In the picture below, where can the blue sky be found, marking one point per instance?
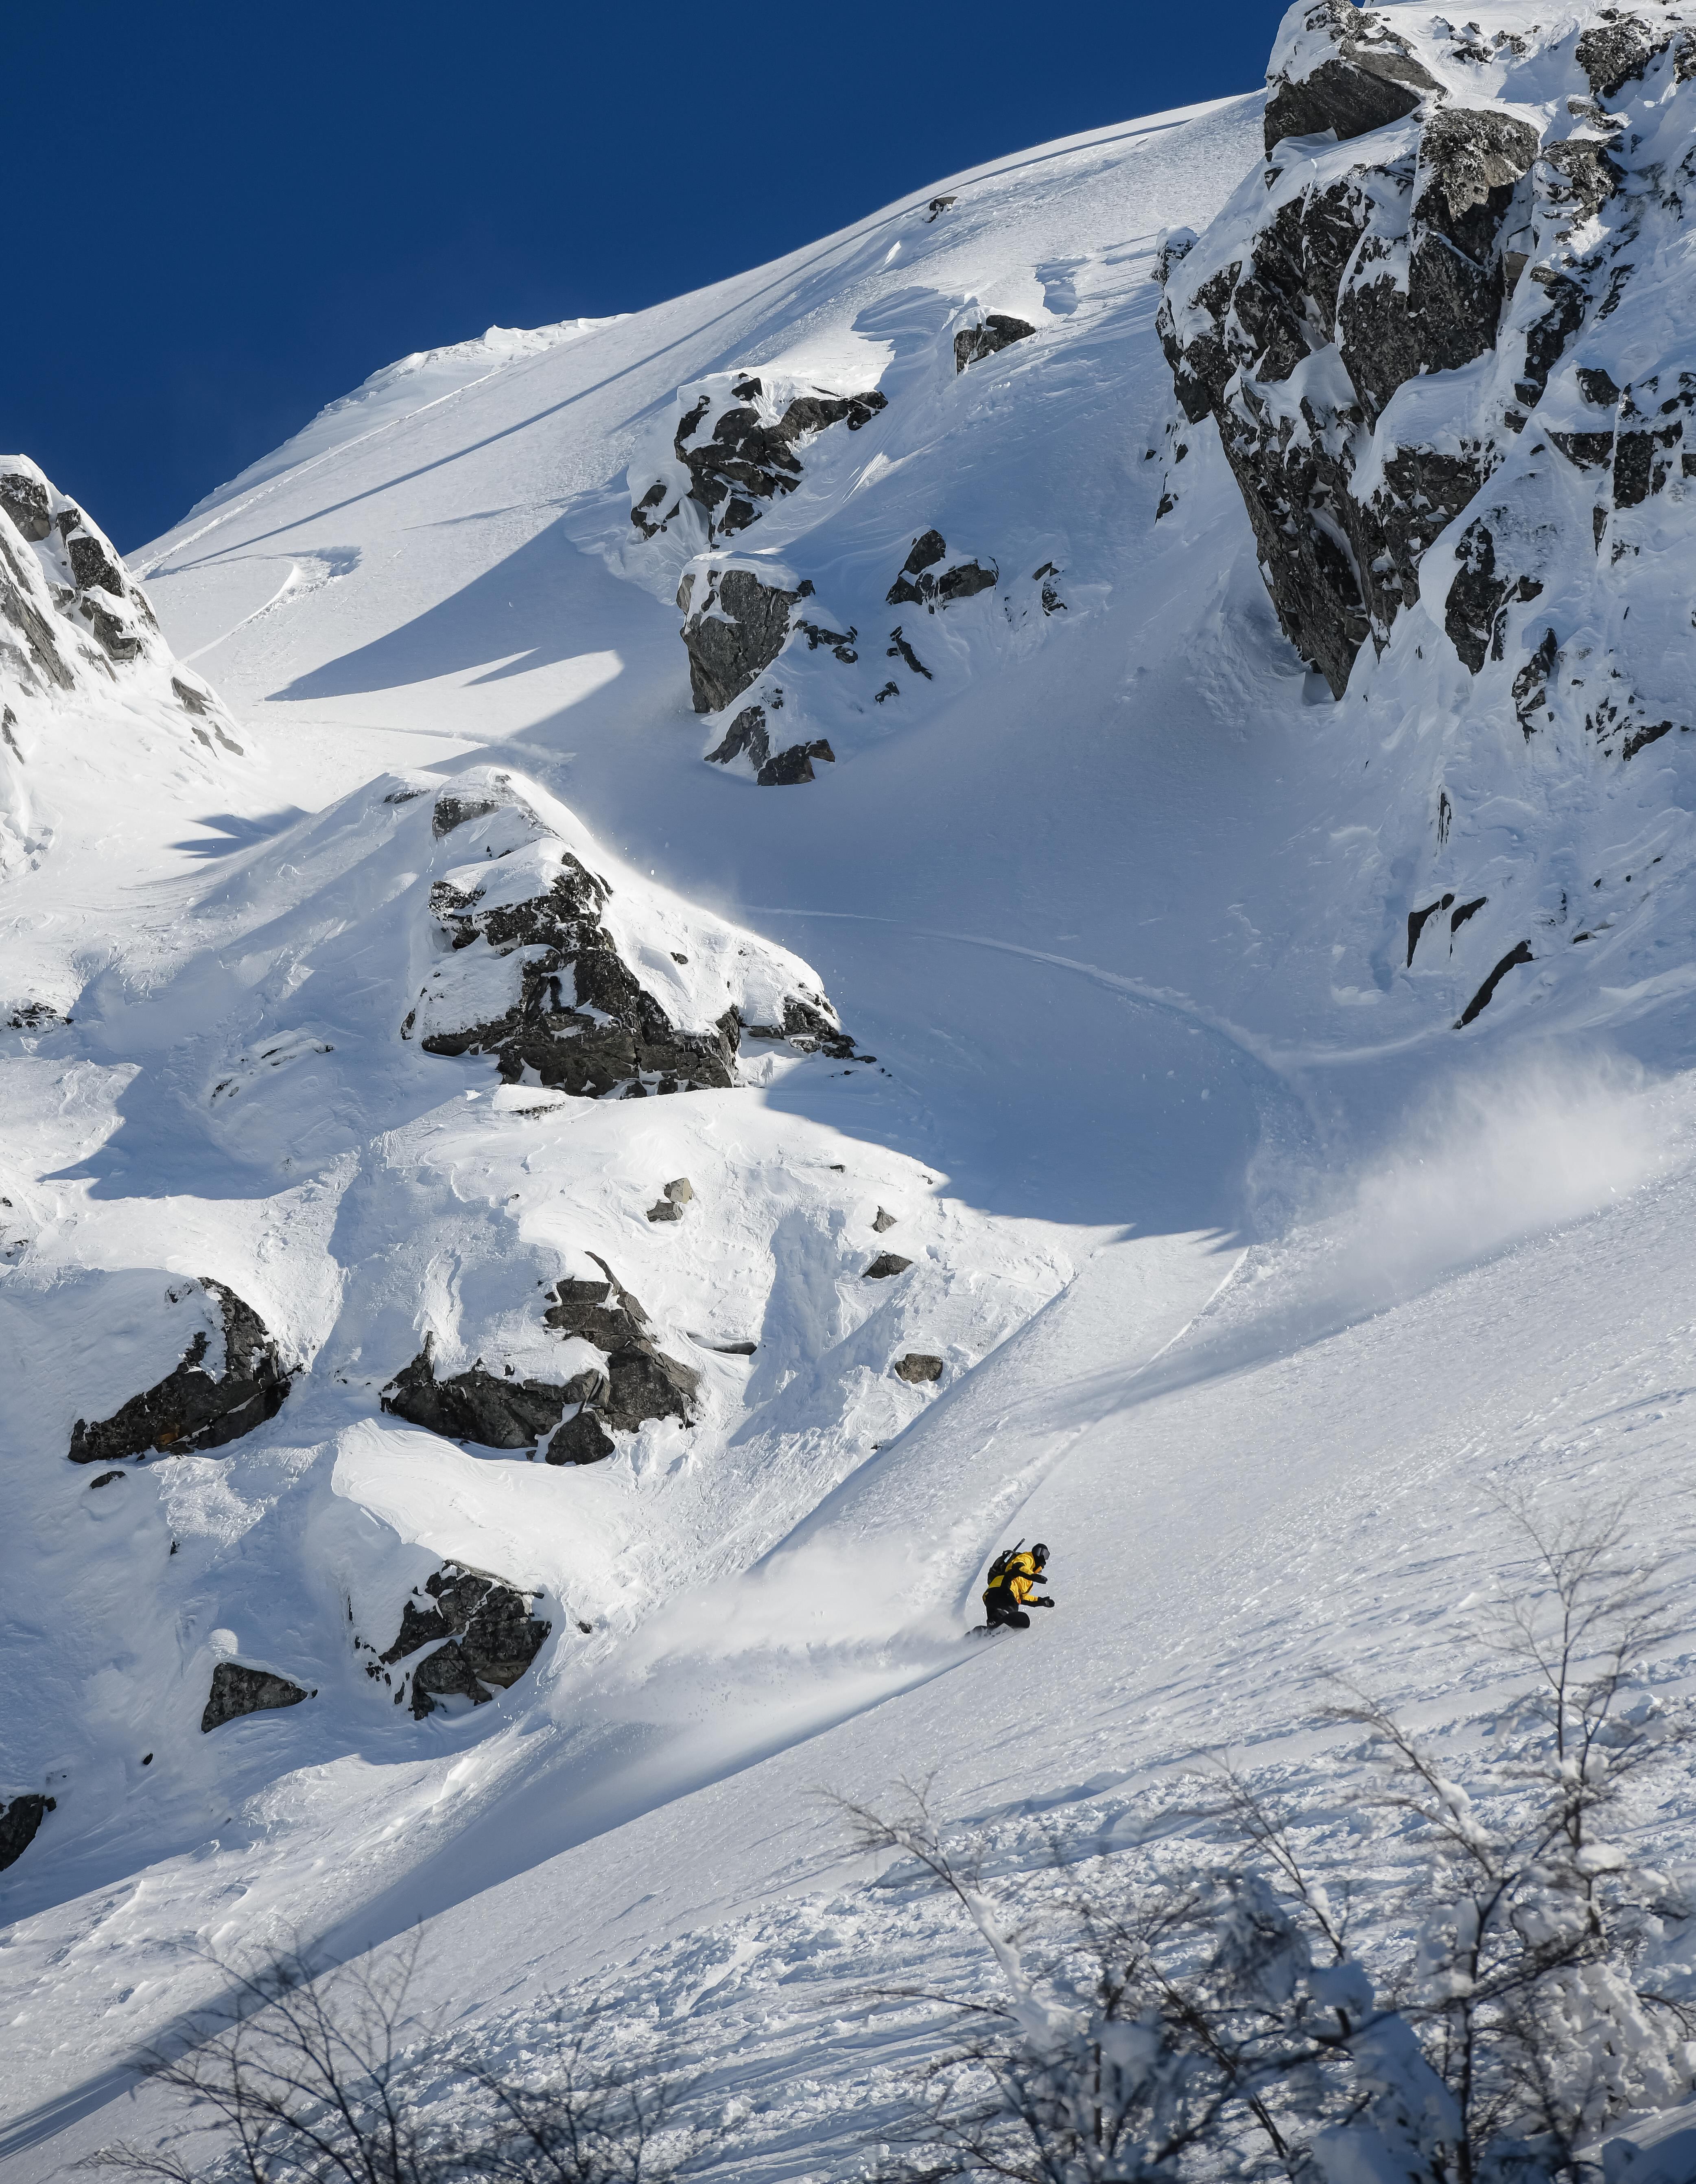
(233, 214)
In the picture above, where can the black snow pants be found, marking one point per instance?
(1002, 1612)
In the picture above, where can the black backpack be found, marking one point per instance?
(998, 1568)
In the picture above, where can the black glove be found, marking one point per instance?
(1044, 1602)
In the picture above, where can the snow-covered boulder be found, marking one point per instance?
(572, 984)
(229, 1378)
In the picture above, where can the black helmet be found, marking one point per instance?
(1039, 1553)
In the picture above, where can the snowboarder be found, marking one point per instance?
(1008, 1593)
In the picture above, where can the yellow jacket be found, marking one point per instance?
(1018, 1578)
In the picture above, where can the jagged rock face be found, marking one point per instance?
(1338, 285)
(196, 1407)
(237, 1690)
(734, 627)
(20, 1823)
(491, 1637)
(1339, 67)
(574, 1011)
(70, 609)
(734, 451)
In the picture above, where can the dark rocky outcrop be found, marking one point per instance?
(787, 768)
(918, 1369)
(20, 1821)
(582, 1020)
(238, 1691)
(489, 1408)
(193, 1410)
(492, 1637)
(582, 1440)
(917, 586)
(1386, 271)
(732, 634)
(997, 332)
(883, 1220)
(737, 459)
(1348, 72)
(884, 1265)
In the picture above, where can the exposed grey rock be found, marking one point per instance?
(900, 648)
(493, 1637)
(238, 1691)
(680, 1191)
(917, 1367)
(1399, 264)
(452, 811)
(663, 1210)
(998, 332)
(20, 1822)
(917, 586)
(645, 1384)
(734, 635)
(746, 733)
(1479, 594)
(106, 1479)
(1370, 78)
(743, 459)
(1611, 53)
(1520, 953)
(492, 1410)
(884, 1221)
(600, 1312)
(884, 1265)
(793, 766)
(25, 499)
(582, 1440)
(445, 1673)
(193, 1410)
(805, 1025)
(582, 1020)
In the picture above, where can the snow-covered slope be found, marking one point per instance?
(538, 1271)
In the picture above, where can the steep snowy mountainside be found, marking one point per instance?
(565, 1265)
(1441, 332)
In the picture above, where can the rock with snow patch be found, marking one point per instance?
(494, 1410)
(199, 1405)
(996, 331)
(734, 449)
(734, 627)
(886, 1264)
(491, 1636)
(1341, 68)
